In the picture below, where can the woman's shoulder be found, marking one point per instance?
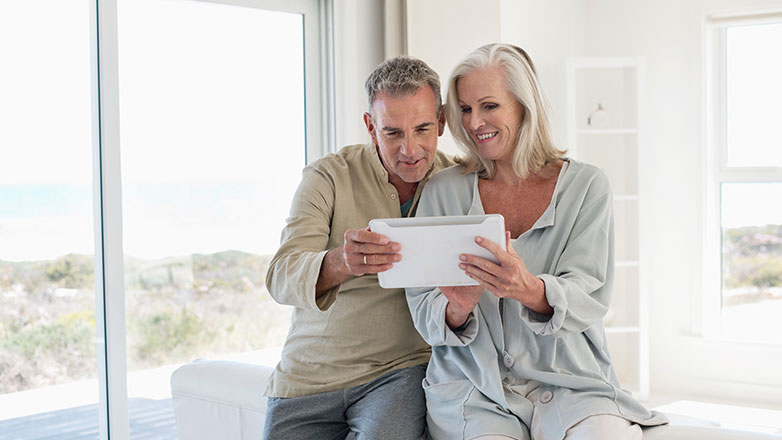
(453, 175)
(584, 175)
(449, 192)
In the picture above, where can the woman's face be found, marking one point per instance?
(490, 114)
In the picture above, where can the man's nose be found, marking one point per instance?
(408, 147)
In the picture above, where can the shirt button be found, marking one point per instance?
(546, 396)
(393, 196)
(508, 360)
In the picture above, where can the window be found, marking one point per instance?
(213, 143)
(744, 213)
(207, 100)
(47, 299)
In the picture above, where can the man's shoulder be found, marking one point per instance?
(345, 155)
(339, 163)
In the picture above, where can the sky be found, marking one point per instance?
(212, 128)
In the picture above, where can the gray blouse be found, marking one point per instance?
(508, 352)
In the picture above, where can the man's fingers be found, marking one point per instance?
(365, 236)
(377, 268)
(378, 259)
(369, 249)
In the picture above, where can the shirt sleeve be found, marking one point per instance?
(579, 290)
(293, 271)
(427, 305)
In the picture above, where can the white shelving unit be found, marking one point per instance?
(612, 139)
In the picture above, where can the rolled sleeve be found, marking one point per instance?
(294, 269)
(427, 307)
(579, 291)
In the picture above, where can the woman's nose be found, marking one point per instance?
(475, 121)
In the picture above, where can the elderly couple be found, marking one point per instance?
(521, 356)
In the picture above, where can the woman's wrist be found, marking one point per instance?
(533, 296)
(454, 316)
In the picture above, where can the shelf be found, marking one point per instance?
(622, 329)
(592, 131)
(614, 143)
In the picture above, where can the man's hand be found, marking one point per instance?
(368, 252)
(363, 252)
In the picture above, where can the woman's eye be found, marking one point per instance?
(491, 106)
(466, 110)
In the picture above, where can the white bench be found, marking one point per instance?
(224, 400)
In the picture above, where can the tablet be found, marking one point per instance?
(431, 247)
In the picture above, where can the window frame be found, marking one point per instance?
(708, 306)
(107, 182)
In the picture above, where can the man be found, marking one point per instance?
(353, 362)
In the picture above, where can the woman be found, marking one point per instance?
(523, 354)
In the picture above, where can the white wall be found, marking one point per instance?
(358, 49)
(669, 34)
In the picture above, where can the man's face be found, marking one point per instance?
(405, 130)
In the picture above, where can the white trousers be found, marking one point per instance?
(597, 427)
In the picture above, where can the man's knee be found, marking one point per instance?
(392, 407)
(304, 417)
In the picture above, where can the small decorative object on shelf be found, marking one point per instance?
(599, 118)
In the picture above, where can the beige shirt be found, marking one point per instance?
(357, 331)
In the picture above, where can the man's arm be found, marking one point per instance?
(303, 273)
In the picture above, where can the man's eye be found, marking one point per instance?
(423, 129)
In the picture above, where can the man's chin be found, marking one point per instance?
(411, 176)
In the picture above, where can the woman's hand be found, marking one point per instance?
(508, 279)
(461, 301)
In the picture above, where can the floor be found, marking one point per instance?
(149, 419)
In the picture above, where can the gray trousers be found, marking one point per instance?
(390, 407)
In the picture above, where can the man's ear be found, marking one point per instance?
(441, 123)
(370, 127)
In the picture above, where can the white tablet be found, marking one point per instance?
(431, 247)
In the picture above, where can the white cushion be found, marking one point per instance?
(219, 400)
(223, 400)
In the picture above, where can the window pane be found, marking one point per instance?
(754, 93)
(48, 361)
(752, 261)
(212, 138)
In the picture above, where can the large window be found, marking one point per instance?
(47, 301)
(149, 151)
(213, 142)
(745, 188)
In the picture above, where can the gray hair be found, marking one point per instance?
(534, 147)
(402, 76)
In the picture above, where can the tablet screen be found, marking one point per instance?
(431, 247)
